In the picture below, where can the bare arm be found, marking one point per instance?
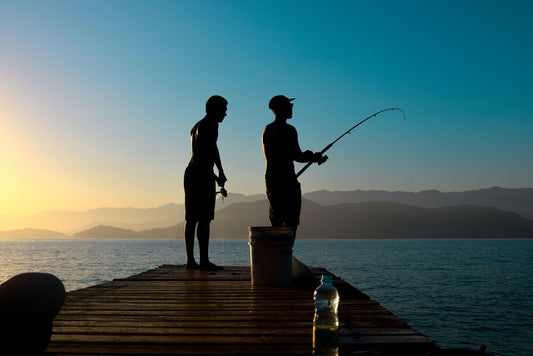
(221, 179)
(300, 156)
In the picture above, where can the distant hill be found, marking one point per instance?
(517, 200)
(230, 222)
(234, 198)
(394, 220)
(370, 220)
(70, 222)
(33, 233)
(109, 232)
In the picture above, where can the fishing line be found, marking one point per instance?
(324, 158)
(223, 235)
(224, 193)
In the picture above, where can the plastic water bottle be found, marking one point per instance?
(326, 321)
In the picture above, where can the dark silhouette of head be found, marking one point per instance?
(281, 106)
(216, 106)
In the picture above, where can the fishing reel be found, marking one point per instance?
(223, 192)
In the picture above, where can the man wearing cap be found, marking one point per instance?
(281, 149)
(199, 182)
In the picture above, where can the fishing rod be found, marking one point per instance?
(324, 158)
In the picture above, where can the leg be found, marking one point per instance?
(190, 184)
(275, 206)
(293, 207)
(203, 241)
(294, 228)
(190, 227)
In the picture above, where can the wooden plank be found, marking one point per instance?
(73, 349)
(172, 311)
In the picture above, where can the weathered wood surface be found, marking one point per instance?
(172, 311)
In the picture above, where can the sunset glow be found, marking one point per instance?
(97, 98)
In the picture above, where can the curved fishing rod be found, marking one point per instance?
(341, 136)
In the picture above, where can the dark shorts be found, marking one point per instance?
(285, 202)
(200, 194)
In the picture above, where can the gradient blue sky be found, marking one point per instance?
(97, 98)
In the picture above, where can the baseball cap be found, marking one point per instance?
(278, 100)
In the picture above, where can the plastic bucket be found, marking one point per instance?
(271, 255)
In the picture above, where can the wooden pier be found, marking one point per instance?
(173, 311)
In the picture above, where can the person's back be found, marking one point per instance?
(204, 135)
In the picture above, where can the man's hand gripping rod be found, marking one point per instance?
(223, 191)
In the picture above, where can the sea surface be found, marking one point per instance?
(459, 293)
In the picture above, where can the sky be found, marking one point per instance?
(97, 98)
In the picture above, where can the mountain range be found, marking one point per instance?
(517, 200)
(372, 220)
(71, 222)
(486, 213)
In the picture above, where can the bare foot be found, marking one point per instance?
(192, 265)
(209, 266)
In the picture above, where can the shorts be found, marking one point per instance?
(200, 194)
(285, 202)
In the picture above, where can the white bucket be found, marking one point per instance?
(271, 255)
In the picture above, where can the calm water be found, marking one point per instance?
(460, 293)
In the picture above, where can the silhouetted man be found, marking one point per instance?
(199, 182)
(281, 149)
